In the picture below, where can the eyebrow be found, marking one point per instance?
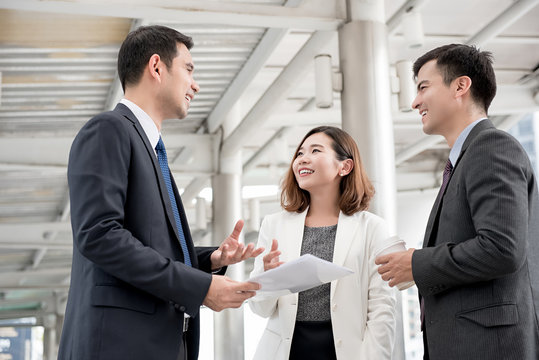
(421, 83)
(313, 146)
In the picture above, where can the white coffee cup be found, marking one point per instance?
(396, 244)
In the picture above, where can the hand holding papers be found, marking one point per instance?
(301, 274)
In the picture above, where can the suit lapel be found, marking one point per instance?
(124, 110)
(435, 212)
(346, 229)
(293, 230)
(344, 238)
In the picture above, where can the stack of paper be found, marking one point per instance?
(298, 275)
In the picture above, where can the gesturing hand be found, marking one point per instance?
(232, 251)
(271, 259)
(226, 293)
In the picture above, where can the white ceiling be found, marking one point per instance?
(58, 60)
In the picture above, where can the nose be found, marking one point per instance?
(195, 86)
(416, 103)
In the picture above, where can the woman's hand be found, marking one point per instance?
(271, 259)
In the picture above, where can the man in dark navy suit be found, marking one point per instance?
(137, 281)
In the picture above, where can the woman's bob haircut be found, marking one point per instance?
(356, 190)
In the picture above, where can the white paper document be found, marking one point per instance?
(297, 275)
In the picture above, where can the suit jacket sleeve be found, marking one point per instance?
(494, 171)
(98, 176)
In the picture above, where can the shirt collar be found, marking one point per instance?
(457, 147)
(149, 127)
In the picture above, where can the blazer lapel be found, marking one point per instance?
(344, 238)
(124, 110)
(346, 230)
(293, 232)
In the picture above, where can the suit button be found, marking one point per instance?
(182, 308)
(177, 306)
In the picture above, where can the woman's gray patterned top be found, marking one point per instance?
(313, 304)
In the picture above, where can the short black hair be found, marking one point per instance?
(141, 44)
(456, 60)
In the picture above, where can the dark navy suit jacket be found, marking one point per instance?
(129, 286)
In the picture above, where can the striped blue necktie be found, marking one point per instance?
(163, 163)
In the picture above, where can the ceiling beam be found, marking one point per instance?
(277, 92)
(209, 13)
(395, 19)
(506, 18)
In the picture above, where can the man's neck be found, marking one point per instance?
(461, 122)
(147, 104)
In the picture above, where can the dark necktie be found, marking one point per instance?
(163, 163)
(447, 174)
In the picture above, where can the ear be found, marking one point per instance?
(155, 66)
(462, 86)
(346, 167)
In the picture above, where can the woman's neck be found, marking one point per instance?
(323, 210)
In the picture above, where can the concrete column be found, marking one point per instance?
(50, 345)
(227, 209)
(366, 110)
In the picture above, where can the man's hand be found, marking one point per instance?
(271, 259)
(226, 293)
(396, 267)
(232, 251)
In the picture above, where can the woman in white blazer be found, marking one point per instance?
(325, 195)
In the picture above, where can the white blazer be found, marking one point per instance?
(362, 304)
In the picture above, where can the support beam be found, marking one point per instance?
(277, 92)
(256, 61)
(210, 13)
(116, 92)
(502, 22)
(395, 20)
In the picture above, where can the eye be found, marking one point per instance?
(299, 153)
(316, 150)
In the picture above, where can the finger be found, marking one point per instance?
(257, 252)
(247, 253)
(383, 259)
(274, 265)
(269, 257)
(247, 286)
(274, 245)
(383, 269)
(237, 229)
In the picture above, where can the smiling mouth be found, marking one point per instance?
(423, 113)
(305, 172)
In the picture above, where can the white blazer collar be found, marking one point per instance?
(346, 229)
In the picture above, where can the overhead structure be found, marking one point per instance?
(254, 59)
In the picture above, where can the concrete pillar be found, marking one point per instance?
(227, 209)
(50, 344)
(366, 110)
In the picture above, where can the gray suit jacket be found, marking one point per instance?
(478, 271)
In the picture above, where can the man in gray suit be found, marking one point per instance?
(478, 271)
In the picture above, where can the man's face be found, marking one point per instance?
(434, 100)
(179, 86)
